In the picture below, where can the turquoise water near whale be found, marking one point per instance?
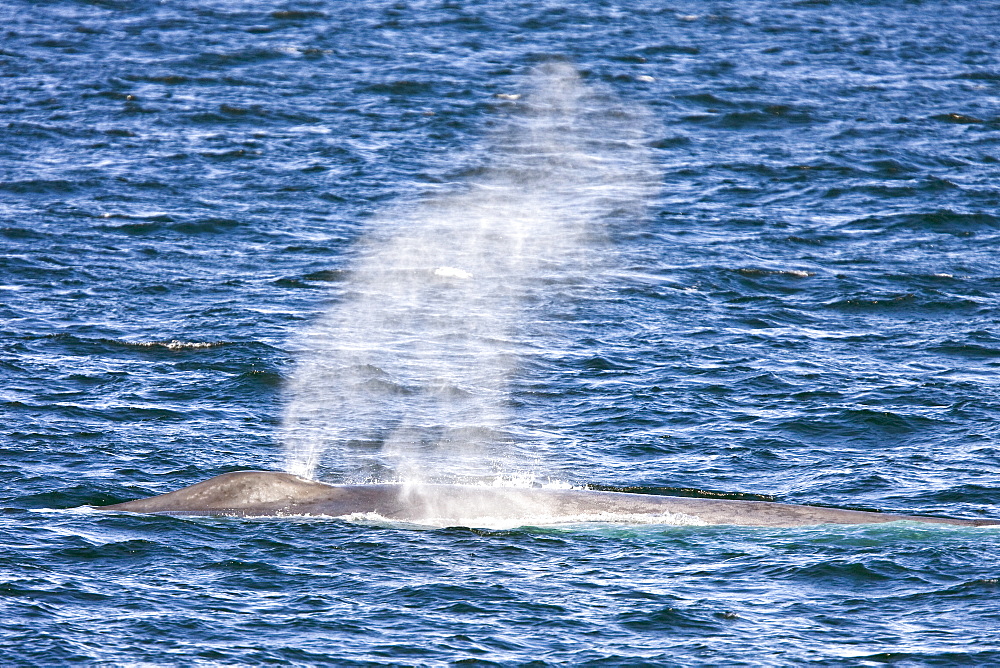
(756, 256)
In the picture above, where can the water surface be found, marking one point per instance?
(800, 303)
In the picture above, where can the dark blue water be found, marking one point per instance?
(757, 253)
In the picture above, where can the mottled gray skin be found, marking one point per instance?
(267, 494)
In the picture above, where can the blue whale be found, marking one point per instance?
(274, 494)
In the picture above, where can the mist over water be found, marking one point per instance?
(407, 376)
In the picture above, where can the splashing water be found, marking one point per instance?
(407, 377)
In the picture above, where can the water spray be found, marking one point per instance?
(407, 377)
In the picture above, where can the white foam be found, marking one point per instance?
(79, 510)
(452, 272)
(502, 523)
(173, 344)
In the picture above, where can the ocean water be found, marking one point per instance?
(740, 248)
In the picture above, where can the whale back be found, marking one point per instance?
(252, 492)
(266, 493)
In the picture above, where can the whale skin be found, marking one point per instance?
(274, 494)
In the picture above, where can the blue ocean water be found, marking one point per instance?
(715, 247)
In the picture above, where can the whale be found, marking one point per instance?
(278, 494)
